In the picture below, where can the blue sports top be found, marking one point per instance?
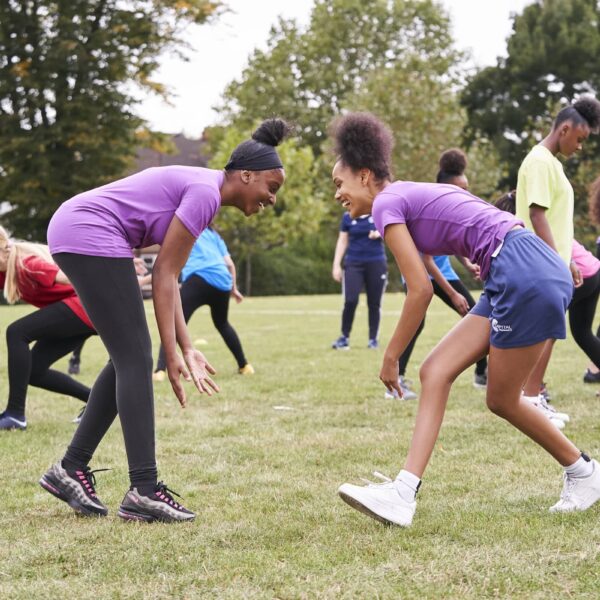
(443, 264)
(206, 260)
(360, 247)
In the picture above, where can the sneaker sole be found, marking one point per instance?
(129, 515)
(72, 502)
(354, 503)
(479, 386)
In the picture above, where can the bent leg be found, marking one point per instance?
(462, 346)
(219, 311)
(508, 368)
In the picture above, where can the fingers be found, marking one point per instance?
(179, 391)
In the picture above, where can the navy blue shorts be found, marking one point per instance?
(526, 293)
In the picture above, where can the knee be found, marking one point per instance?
(15, 333)
(499, 408)
(432, 373)
(351, 303)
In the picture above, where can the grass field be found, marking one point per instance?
(263, 481)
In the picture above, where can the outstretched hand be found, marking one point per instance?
(389, 376)
(194, 367)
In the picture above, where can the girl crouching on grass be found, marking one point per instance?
(527, 289)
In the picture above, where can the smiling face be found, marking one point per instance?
(259, 189)
(352, 189)
(571, 137)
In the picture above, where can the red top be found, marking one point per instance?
(38, 287)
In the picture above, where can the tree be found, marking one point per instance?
(67, 74)
(306, 76)
(553, 55)
(296, 213)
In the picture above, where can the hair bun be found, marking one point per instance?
(271, 132)
(453, 162)
(589, 108)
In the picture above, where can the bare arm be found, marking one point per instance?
(467, 264)
(418, 297)
(231, 268)
(340, 249)
(458, 300)
(172, 257)
(62, 279)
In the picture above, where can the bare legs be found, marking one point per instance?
(464, 344)
(534, 381)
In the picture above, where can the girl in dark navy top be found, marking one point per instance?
(361, 247)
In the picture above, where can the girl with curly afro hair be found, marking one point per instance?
(527, 288)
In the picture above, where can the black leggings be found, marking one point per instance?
(196, 292)
(373, 276)
(581, 317)
(56, 330)
(111, 296)
(458, 285)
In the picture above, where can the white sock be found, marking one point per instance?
(580, 468)
(532, 399)
(407, 485)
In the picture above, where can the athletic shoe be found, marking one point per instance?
(78, 418)
(74, 366)
(76, 489)
(544, 392)
(373, 344)
(590, 377)
(579, 493)
(7, 423)
(480, 381)
(341, 343)
(158, 376)
(557, 418)
(380, 501)
(159, 506)
(247, 369)
(407, 392)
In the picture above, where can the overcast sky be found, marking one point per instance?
(222, 50)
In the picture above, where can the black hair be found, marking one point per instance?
(453, 163)
(508, 202)
(594, 201)
(258, 153)
(362, 141)
(585, 110)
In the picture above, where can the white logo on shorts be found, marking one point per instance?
(500, 328)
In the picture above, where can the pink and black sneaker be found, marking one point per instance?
(76, 488)
(158, 506)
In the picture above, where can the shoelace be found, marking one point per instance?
(164, 494)
(568, 486)
(88, 479)
(385, 480)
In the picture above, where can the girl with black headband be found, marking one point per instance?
(91, 237)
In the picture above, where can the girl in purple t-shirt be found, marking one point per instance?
(527, 288)
(91, 238)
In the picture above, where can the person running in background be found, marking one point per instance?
(446, 283)
(361, 249)
(582, 309)
(91, 237)
(209, 277)
(545, 199)
(527, 288)
(28, 273)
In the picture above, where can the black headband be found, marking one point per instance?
(254, 156)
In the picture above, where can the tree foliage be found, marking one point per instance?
(553, 55)
(67, 74)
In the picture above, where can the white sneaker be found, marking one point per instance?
(579, 493)
(407, 392)
(558, 419)
(380, 501)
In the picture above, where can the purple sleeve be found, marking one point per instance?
(387, 210)
(198, 207)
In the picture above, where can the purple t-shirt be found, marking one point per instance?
(443, 219)
(136, 211)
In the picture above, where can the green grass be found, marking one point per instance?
(263, 481)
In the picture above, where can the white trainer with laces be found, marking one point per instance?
(558, 419)
(380, 501)
(579, 493)
(407, 392)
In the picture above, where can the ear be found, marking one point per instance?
(365, 175)
(566, 127)
(245, 176)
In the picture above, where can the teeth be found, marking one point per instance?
(261, 206)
